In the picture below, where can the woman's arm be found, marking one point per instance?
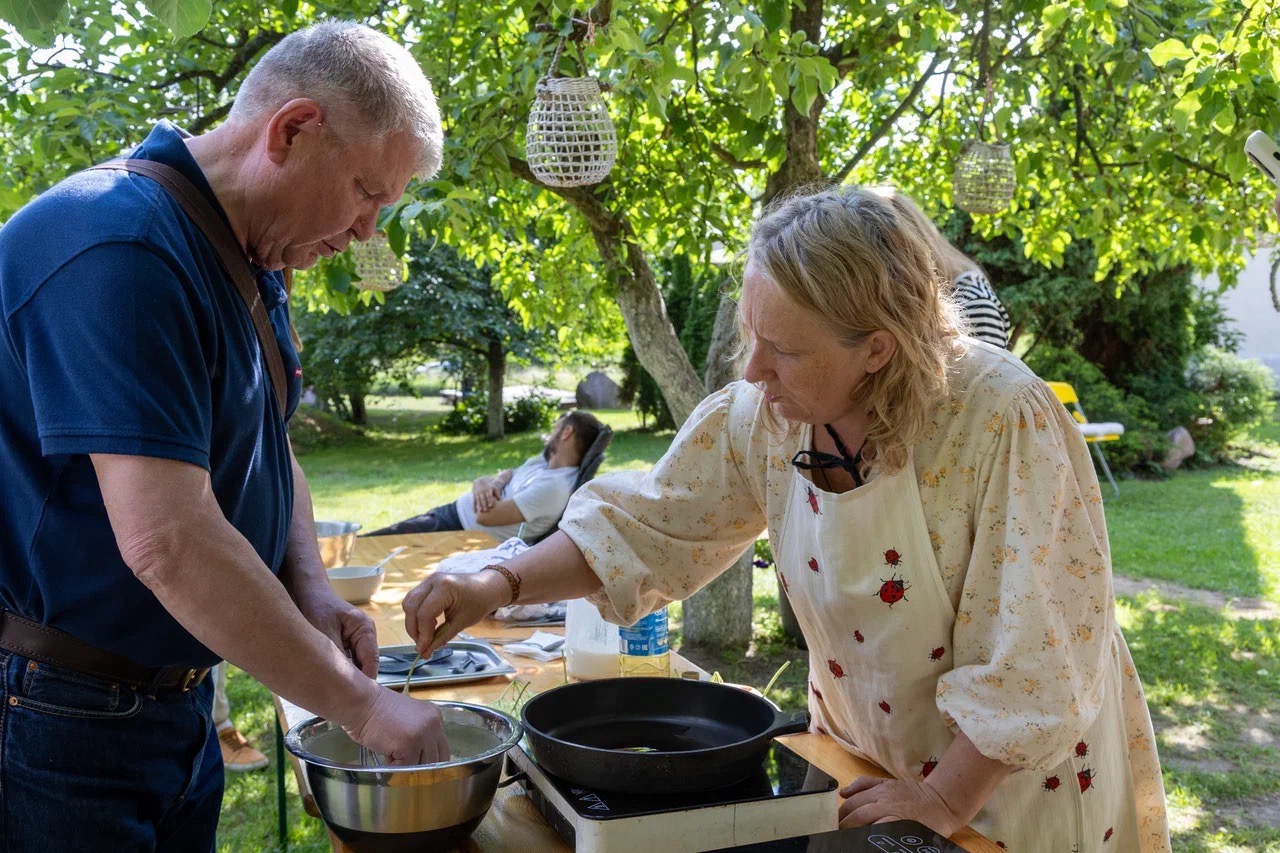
(648, 538)
(553, 570)
(946, 801)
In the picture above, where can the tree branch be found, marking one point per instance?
(205, 73)
(844, 59)
(1201, 167)
(58, 66)
(207, 120)
(584, 199)
(727, 157)
(883, 128)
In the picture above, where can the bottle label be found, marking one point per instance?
(647, 637)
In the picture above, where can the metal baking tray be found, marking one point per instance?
(472, 660)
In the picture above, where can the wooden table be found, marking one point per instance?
(513, 825)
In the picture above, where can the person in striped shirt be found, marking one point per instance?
(985, 317)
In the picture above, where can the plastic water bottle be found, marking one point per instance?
(590, 644)
(643, 647)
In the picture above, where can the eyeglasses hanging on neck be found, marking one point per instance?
(810, 460)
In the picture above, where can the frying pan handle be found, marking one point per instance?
(520, 776)
(789, 724)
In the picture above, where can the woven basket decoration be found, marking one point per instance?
(984, 179)
(571, 141)
(378, 266)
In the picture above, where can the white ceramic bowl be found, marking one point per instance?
(356, 584)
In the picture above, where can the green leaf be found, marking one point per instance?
(760, 101)
(184, 18)
(36, 20)
(397, 237)
(1185, 110)
(1225, 121)
(339, 279)
(804, 94)
(775, 15)
(1055, 15)
(289, 8)
(1169, 50)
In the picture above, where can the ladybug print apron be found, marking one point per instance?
(860, 572)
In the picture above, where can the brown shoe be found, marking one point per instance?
(238, 754)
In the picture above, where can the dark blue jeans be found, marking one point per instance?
(91, 765)
(444, 517)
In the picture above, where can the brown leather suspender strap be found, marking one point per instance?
(233, 259)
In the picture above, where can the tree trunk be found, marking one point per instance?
(722, 363)
(719, 615)
(359, 414)
(497, 358)
(643, 309)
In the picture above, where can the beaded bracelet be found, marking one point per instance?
(513, 580)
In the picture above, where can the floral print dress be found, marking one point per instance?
(968, 591)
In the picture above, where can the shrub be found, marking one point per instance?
(1235, 395)
(533, 412)
(1144, 442)
(470, 415)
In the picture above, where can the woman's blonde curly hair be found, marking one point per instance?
(845, 255)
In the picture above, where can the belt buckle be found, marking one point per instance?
(187, 678)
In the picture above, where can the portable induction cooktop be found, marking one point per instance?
(902, 836)
(785, 798)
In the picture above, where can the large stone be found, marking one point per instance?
(597, 391)
(1181, 448)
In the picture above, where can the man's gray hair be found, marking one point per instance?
(369, 86)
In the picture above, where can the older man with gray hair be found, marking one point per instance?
(154, 518)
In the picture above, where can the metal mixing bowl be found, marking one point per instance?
(416, 808)
(336, 539)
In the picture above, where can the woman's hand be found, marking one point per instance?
(873, 800)
(462, 600)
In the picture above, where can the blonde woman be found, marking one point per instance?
(984, 314)
(938, 530)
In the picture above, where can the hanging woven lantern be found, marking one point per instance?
(570, 141)
(984, 179)
(378, 266)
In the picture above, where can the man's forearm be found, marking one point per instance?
(503, 512)
(173, 535)
(234, 606)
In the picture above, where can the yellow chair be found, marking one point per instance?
(1094, 433)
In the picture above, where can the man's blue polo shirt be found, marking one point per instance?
(121, 334)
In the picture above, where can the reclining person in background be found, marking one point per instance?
(535, 494)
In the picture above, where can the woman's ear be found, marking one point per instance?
(880, 348)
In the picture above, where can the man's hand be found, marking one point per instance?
(349, 627)
(405, 730)
(873, 800)
(485, 492)
(463, 600)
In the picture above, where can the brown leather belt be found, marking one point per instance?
(57, 648)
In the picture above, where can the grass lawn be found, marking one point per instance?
(1212, 680)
